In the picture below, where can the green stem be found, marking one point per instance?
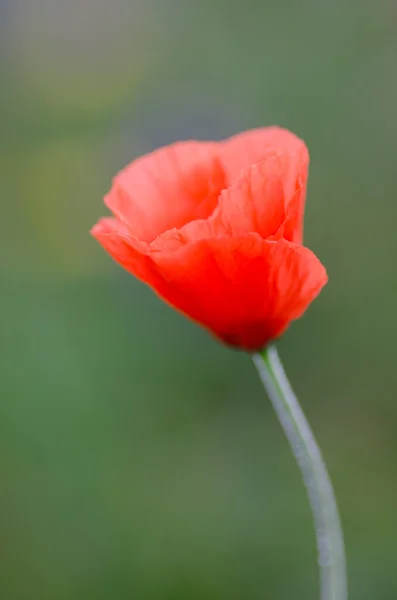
(331, 553)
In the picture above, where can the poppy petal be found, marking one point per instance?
(254, 146)
(167, 188)
(256, 202)
(129, 252)
(244, 289)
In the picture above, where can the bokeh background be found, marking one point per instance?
(139, 459)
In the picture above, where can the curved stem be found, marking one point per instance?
(331, 553)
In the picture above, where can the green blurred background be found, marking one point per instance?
(139, 459)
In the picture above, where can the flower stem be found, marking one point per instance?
(331, 553)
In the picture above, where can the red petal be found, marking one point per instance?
(167, 188)
(129, 252)
(256, 202)
(245, 290)
(254, 146)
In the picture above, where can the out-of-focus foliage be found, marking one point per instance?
(139, 459)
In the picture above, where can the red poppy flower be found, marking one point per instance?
(215, 228)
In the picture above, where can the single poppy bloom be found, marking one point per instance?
(215, 228)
